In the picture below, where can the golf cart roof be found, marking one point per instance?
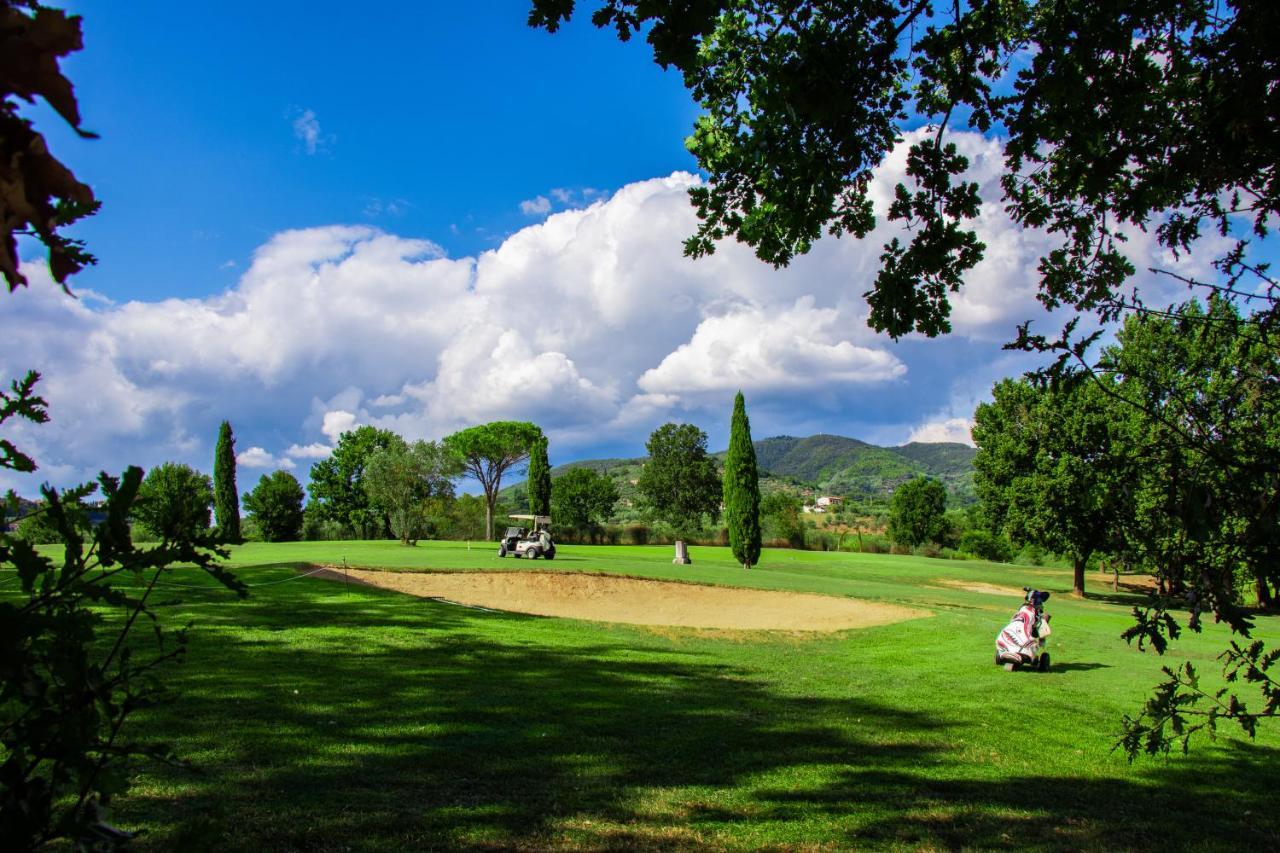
(536, 519)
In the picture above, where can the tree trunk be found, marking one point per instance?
(488, 516)
(1077, 588)
(1264, 593)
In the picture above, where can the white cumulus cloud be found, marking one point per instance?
(315, 450)
(754, 349)
(590, 322)
(536, 206)
(258, 457)
(952, 429)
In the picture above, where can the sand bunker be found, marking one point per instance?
(984, 588)
(609, 598)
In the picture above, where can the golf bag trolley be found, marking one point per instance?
(1024, 641)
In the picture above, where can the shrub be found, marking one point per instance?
(1030, 555)
(275, 504)
(986, 546)
(38, 527)
(175, 501)
(929, 549)
(875, 545)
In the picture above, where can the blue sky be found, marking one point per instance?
(428, 119)
(425, 216)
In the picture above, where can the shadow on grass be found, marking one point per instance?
(1203, 805)
(1075, 666)
(323, 718)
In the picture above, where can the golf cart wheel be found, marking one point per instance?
(532, 553)
(1043, 664)
(551, 553)
(502, 550)
(1010, 666)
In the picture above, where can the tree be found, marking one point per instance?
(539, 479)
(1204, 503)
(1047, 469)
(742, 489)
(465, 518)
(175, 501)
(1118, 118)
(917, 512)
(276, 504)
(781, 513)
(66, 690)
(226, 497)
(583, 498)
(803, 100)
(337, 483)
(488, 451)
(413, 483)
(679, 483)
(39, 195)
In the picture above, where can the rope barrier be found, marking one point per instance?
(250, 585)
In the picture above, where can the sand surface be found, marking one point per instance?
(636, 601)
(984, 588)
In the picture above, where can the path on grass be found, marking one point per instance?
(637, 601)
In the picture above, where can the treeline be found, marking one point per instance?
(1163, 459)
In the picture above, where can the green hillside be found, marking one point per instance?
(940, 458)
(827, 464)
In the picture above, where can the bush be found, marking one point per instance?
(638, 534)
(317, 530)
(275, 505)
(1030, 555)
(250, 531)
(875, 545)
(38, 528)
(175, 501)
(986, 546)
(818, 540)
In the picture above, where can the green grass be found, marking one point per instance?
(323, 716)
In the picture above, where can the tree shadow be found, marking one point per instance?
(1202, 804)
(324, 717)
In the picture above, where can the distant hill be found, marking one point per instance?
(940, 458)
(825, 464)
(846, 466)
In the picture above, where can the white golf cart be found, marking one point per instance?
(533, 541)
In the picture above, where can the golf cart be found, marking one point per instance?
(533, 541)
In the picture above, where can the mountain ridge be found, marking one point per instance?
(823, 463)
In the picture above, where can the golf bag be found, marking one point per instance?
(1024, 640)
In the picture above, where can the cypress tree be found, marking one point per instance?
(226, 498)
(539, 485)
(742, 489)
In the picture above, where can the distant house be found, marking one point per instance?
(825, 503)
